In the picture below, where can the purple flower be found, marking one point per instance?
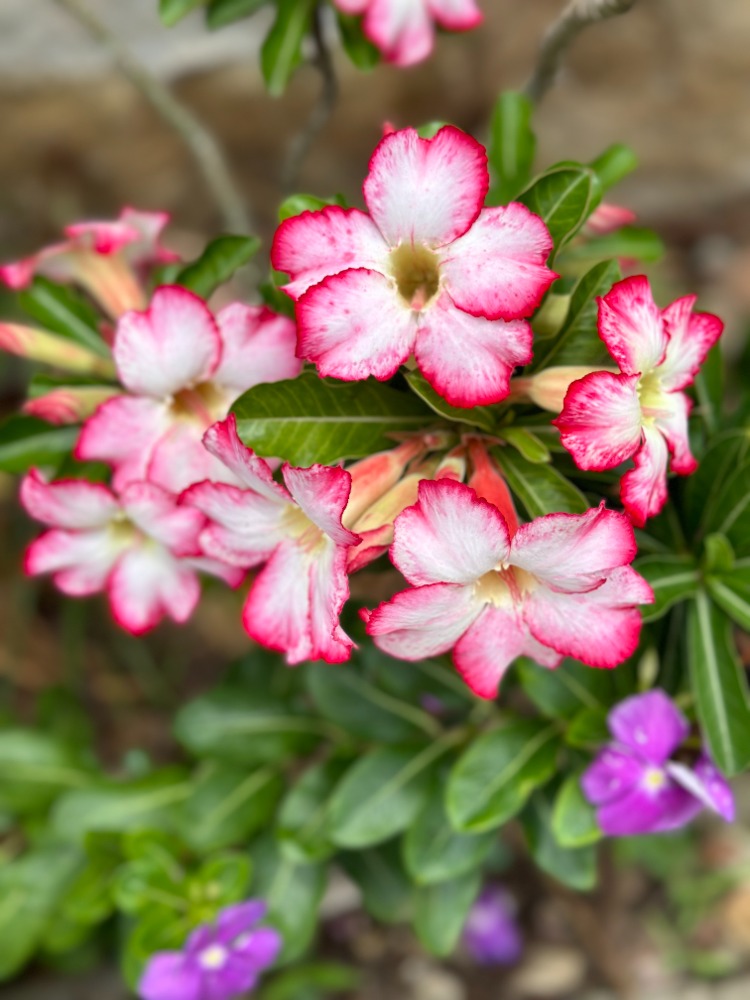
(491, 934)
(220, 960)
(634, 784)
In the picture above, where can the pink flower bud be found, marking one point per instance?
(38, 345)
(548, 388)
(375, 475)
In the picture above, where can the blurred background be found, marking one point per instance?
(672, 80)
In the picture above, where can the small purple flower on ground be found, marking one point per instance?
(491, 934)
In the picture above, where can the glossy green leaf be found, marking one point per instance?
(343, 695)
(27, 441)
(615, 163)
(588, 729)
(719, 685)
(733, 515)
(434, 852)
(312, 981)
(227, 804)
(578, 341)
(531, 447)
(709, 387)
(673, 578)
(511, 146)
(540, 488)
(718, 554)
(574, 867)
(564, 692)
(309, 419)
(477, 416)
(731, 591)
(380, 795)
(704, 504)
(440, 911)
(217, 264)
(387, 893)
(172, 11)
(573, 817)
(494, 777)
(302, 823)
(282, 49)
(628, 243)
(221, 880)
(360, 49)
(296, 204)
(63, 311)
(564, 196)
(243, 728)
(34, 769)
(221, 12)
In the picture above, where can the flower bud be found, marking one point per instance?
(548, 388)
(68, 404)
(488, 483)
(38, 345)
(375, 475)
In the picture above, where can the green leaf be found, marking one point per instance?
(293, 892)
(704, 504)
(360, 50)
(380, 795)
(578, 341)
(440, 911)
(564, 196)
(434, 852)
(511, 146)
(282, 49)
(588, 729)
(342, 695)
(494, 777)
(386, 890)
(27, 441)
(63, 311)
(150, 802)
(309, 419)
(718, 554)
(222, 12)
(673, 578)
(531, 447)
(563, 692)
(731, 591)
(574, 867)
(615, 163)
(573, 817)
(709, 387)
(244, 728)
(227, 804)
(477, 416)
(172, 11)
(719, 685)
(296, 204)
(302, 824)
(540, 488)
(628, 242)
(31, 889)
(222, 879)
(216, 265)
(312, 981)
(35, 769)
(733, 517)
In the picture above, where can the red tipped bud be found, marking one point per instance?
(548, 388)
(487, 482)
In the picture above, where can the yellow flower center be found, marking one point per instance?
(205, 403)
(504, 585)
(654, 779)
(416, 271)
(299, 526)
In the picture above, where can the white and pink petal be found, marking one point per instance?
(249, 469)
(322, 493)
(630, 324)
(601, 420)
(156, 514)
(643, 490)
(123, 432)
(80, 561)
(257, 346)
(148, 583)
(67, 503)
(691, 336)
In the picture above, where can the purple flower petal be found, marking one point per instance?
(613, 773)
(201, 938)
(706, 782)
(645, 809)
(171, 975)
(239, 919)
(649, 724)
(259, 948)
(491, 934)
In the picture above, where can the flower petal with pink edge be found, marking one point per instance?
(146, 250)
(223, 441)
(102, 237)
(401, 29)
(313, 245)
(488, 647)
(231, 575)
(245, 526)
(672, 421)
(643, 490)
(353, 325)
(257, 346)
(455, 15)
(423, 622)
(574, 552)
(322, 493)
(600, 423)
(650, 724)
(67, 503)
(691, 337)
(56, 262)
(468, 359)
(80, 561)
(123, 432)
(630, 324)
(426, 191)
(448, 536)
(329, 592)
(351, 6)
(497, 269)
(148, 583)
(179, 459)
(155, 512)
(171, 346)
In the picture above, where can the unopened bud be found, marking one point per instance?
(38, 345)
(487, 482)
(548, 388)
(375, 475)
(68, 404)
(607, 218)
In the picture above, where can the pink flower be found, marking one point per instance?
(560, 586)
(296, 530)
(183, 369)
(428, 272)
(640, 411)
(105, 258)
(404, 30)
(140, 547)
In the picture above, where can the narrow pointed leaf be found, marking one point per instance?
(564, 196)
(282, 49)
(221, 12)
(218, 262)
(477, 416)
(540, 488)
(28, 441)
(673, 578)
(511, 147)
(63, 311)
(731, 591)
(573, 817)
(440, 911)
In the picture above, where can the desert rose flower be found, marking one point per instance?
(491, 934)
(637, 786)
(220, 961)
(560, 586)
(139, 547)
(639, 412)
(429, 272)
(404, 30)
(105, 258)
(183, 370)
(295, 529)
